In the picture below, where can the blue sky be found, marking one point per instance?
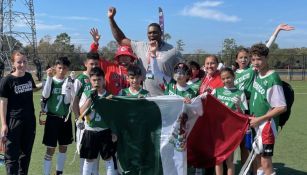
(200, 24)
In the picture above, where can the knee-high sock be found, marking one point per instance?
(47, 164)
(96, 166)
(81, 165)
(61, 157)
(110, 167)
(88, 167)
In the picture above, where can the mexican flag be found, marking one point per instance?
(153, 133)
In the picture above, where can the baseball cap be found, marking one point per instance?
(125, 50)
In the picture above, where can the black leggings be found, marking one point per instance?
(21, 134)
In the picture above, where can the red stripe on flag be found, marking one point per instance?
(215, 135)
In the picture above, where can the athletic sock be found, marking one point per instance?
(110, 167)
(81, 165)
(87, 167)
(47, 164)
(61, 157)
(95, 170)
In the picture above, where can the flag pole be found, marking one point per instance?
(161, 21)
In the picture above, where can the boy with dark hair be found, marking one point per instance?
(57, 107)
(267, 102)
(135, 79)
(82, 83)
(97, 138)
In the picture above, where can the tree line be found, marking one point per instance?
(49, 49)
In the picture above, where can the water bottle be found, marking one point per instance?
(248, 139)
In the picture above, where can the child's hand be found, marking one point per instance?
(204, 95)
(187, 100)
(285, 27)
(254, 121)
(50, 72)
(95, 34)
(236, 100)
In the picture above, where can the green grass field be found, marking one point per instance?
(290, 152)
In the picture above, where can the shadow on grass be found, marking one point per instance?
(281, 169)
(284, 170)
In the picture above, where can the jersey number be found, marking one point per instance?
(60, 99)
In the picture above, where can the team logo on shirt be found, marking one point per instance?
(23, 88)
(227, 92)
(86, 80)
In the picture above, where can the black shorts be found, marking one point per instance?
(268, 150)
(94, 142)
(57, 131)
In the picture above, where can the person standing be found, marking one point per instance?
(167, 55)
(57, 130)
(212, 80)
(266, 103)
(17, 115)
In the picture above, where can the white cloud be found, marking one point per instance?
(41, 26)
(205, 10)
(77, 18)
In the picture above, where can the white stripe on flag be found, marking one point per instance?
(173, 162)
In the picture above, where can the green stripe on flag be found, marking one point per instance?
(138, 132)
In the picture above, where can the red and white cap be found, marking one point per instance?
(125, 50)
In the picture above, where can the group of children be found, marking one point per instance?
(62, 97)
(254, 84)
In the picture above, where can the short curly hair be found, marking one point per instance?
(259, 50)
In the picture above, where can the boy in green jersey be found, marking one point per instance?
(82, 83)
(233, 98)
(267, 102)
(97, 137)
(245, 73)
(56, 129)
(135, 79)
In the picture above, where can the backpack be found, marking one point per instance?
(289, 96)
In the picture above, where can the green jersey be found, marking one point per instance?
(226, 95)
(55, 102)
(244, 80)
(82, 84)
(267, 93)
(141, 93)
(194, 84)
(93, 119)
(173, 89)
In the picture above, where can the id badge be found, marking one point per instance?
(149, 74)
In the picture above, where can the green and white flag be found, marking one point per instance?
(156, 133)
(145, 128)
